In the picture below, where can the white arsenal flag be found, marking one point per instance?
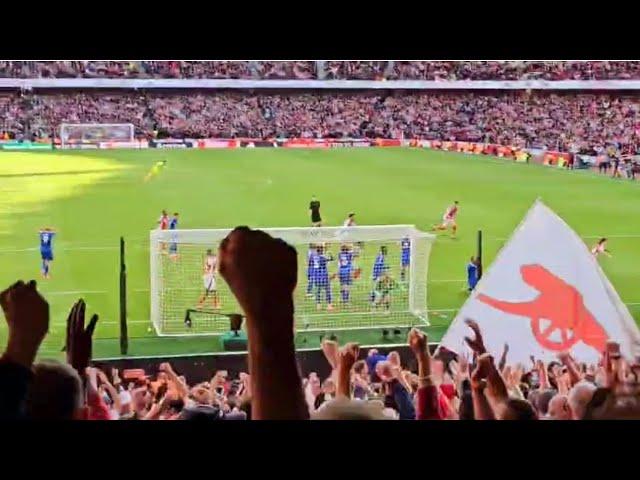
(545, 293)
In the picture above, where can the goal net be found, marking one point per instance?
(348, 278)
(95, 133)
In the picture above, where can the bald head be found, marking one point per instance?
(579, 397)
(55, 393)
(559, 408)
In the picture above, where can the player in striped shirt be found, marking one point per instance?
(163, 224)
(449, 219)
(209, 280)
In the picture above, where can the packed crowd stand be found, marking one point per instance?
(571, 122)
(361, 385)
(330, 70)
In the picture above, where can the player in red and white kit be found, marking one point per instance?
(163, 221)
(449, 219)
(600, 247)
(209, 280)
(163, 224)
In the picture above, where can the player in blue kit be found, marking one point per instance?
(173, 246)
(472, 273)
(405, 256)
(46, 249)
(310, 253)
(345, 272)
(379, 267)
(320, 273)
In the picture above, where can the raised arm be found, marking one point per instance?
(262, 273)
(181, 387)
(481, 408)
(113, 393)
(346, 358)
(27, 316)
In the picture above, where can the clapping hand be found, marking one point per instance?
(79, 341)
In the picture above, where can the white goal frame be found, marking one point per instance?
(298, 237)
(65, 142)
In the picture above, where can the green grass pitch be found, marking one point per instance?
(93, 197)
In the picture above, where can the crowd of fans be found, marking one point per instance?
(571, 122)
(331, 70)
(373, 387)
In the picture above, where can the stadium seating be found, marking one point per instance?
(570, 122)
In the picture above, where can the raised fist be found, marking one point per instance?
(260, 270)
(418, 341)
(27, 315)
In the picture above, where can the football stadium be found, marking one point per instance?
(503, 193)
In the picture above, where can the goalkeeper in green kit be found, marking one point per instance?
(155, 170)
(382, 291)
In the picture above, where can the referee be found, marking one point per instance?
(314, 210)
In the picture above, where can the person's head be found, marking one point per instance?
(360, 369)
(602, 240)
(542, 399)
(455, 202)
(175, 214)
(579, 397)
(343, 409)
(559, 408)
(473, 260)
(209, 252)
(383, 250)
(220, 378)
(344, 248)
(55, 392)
(384, 370)
(516, 409)
(164, 213)
(320, 248)
(313, 198)
(394, 358)
(314, 385)
(351, 216)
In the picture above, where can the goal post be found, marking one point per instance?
(373, 276)
(95, 133)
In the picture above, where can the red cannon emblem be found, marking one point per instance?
(561, 305)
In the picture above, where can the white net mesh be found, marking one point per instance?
(348, 278)
(93, 133)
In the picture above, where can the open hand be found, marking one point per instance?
(476, 344)
(348, 355)
(79, 341)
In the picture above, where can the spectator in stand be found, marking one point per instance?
(581, 123)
